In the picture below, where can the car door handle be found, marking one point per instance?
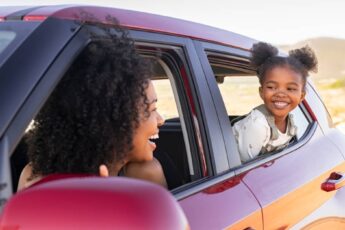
(335, 181)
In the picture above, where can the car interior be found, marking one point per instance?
(170, 151)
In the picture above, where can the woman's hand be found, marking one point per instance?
(103, 171)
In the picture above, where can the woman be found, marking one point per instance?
(101, 117)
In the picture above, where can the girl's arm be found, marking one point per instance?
(252, 133)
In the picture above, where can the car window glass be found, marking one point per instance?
(5, 39)
(166, 102)
(12, 34)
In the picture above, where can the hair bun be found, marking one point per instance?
(306, 57)
(261, 51)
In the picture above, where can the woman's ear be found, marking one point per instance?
(103, 171)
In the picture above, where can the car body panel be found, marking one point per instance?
(144, 21)
(293, 182)
(327, 216)
(225, 205)
(66, 202)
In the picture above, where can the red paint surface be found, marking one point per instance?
(93, 203)
(293, 182)
(227, 205)
(149, 22)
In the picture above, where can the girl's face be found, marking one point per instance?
(282, 90)
(147, 130)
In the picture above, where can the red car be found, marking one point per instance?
(204, 82)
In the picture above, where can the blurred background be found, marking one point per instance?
(287, 24)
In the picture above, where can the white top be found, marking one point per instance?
(253, 133)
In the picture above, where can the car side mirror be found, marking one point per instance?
(93, 203)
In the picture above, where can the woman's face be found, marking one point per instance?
(147, 130)
(282, 90)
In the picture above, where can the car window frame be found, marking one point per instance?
(203, 48)
(207, 128)
(39, 89)
(178, 45)
(168, 55)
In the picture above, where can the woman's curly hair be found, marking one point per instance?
(265, 57)
(92, 114)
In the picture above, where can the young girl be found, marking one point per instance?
(270, 126)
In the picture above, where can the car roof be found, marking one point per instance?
(132, 20)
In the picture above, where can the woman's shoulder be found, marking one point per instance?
(148, 170)
(25, 179)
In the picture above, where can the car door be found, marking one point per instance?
(291, 189)
(287, 184)
(213, 196)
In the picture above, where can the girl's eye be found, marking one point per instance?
(270, 87)
(291, 89)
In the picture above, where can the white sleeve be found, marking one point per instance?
(252, 133)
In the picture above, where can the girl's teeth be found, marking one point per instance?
(280, 104)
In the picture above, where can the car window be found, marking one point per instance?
(12, 34)
(239, 88)
(176, 145)
(5, 38)
(166, 103)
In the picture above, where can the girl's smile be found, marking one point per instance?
(282, 90)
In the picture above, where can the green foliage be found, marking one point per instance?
(337, 84)
(340, 83)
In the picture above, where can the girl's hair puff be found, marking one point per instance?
(265, 57)
(306, 57)
(261, 52)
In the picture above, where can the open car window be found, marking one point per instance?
(239, 88)
(175, 146)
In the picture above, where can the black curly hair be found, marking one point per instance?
(265, 57)
(92, 114)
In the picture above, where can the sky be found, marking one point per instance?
(278, 22)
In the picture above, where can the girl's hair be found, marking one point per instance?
(91, 116)
(265, 57)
